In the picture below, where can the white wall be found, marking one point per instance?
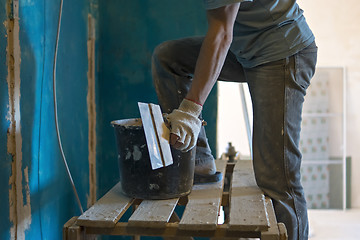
(337, 32)
(231, 126)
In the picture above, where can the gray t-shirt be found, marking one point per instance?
(266, 30)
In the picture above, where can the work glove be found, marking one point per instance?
(185, 124)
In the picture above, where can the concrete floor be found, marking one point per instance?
(334, 224)
(331, 224)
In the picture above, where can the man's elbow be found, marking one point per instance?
(228, 38)
(220, 34)
(225, 38)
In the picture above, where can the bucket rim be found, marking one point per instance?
(131, 122)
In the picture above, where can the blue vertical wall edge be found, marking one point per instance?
(5, 158)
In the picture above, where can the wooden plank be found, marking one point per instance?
(134, 207)
(71, 231)
(225, 199)
(163, 134)
(172, 230)
(204, 202)
(106, 211)
(66, 227)
(273, 232)
(153, 213)
(175, 219)
(247, 202)
(282, 231)
(76, 233)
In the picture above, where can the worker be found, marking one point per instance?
(269, 45)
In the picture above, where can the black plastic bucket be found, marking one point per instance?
(138, 179)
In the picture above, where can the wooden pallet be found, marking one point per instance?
(248, 212)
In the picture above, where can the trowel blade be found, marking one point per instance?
(157, 135)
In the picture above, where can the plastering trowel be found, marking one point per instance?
(157, 135)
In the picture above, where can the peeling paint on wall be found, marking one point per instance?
(20, 212)
(91, 105)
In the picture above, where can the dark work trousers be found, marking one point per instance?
(277, 91)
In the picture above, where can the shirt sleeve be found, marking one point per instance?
(212, 4)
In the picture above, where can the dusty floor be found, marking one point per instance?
(334, 224)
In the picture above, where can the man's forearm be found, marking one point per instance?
(208, 67)
(213, 52)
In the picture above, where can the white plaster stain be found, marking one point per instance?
(137, 153)
(25, 224)
(154, 186)
(128, 155)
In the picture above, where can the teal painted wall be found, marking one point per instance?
(126, 34)
(51, 201)
(129, 31)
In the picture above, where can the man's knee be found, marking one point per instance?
(163, 51)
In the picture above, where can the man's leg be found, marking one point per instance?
(277, 90)
(173, 65)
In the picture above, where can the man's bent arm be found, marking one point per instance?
(213, 51)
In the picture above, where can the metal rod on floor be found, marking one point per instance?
(246, 116)
(344, 140)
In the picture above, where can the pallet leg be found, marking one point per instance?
(277, 231)
(73, 232)
(282, 231)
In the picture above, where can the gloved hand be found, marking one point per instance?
(185, 124)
